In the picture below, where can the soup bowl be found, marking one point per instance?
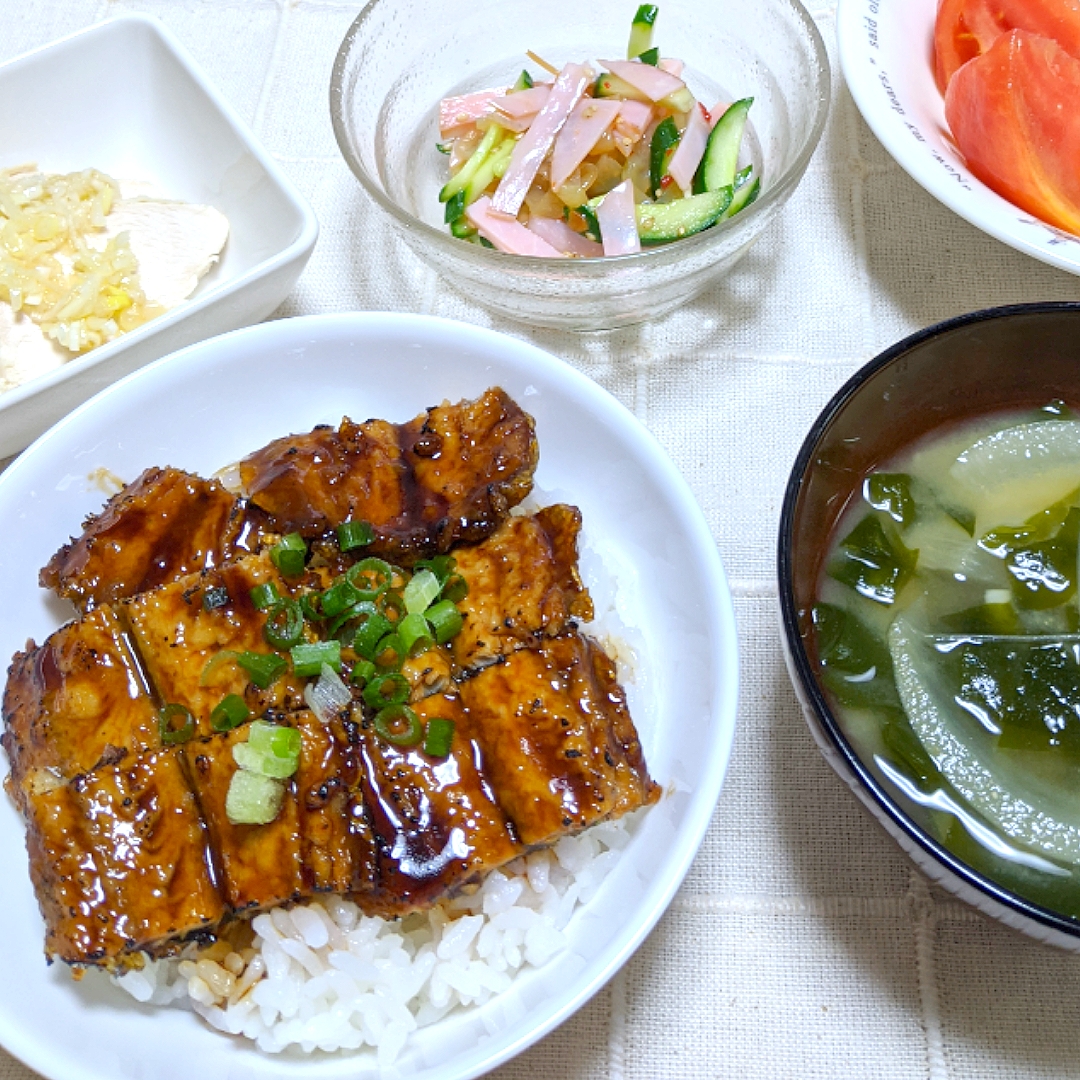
(999, 361)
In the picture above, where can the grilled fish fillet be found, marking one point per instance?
(130, 846)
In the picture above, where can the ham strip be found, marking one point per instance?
(654, 83)
(522, 103)
(534, 145)
(691, 149)
(631, 123)
(507, 234)
(672, 66)
(589, 120)
(618, 222)
(463, 111)
(557, 233)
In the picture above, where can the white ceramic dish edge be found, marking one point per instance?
(216, 306)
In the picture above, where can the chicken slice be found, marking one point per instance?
(559, 748)
(452, 474)
(166, 524)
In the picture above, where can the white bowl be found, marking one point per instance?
(642, 530)
(126, 98)
(886, 53)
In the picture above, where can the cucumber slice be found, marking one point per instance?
(524, 82)
(665, 140)
(659, 223)
(608, 85)
(641, 30)
(743, 197)
(721, 157)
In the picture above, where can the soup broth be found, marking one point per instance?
(947, 635)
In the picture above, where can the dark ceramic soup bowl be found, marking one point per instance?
(1007, 359)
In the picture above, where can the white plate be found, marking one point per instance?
(166, 124)
(208, 406)
(886, 53)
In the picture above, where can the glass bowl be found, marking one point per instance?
(400, 57)
(1004, 359)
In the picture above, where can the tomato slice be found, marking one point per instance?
(1014, 115)
(965, 29)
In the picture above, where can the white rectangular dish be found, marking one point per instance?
(125, 97)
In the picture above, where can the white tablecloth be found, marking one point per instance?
(803, 944)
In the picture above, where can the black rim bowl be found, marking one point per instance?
(1015, 357)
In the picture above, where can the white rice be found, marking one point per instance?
(323, 976)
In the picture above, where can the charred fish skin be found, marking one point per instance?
(449, 476)
(77, 701)
(180, 628)
(523, 585)
(543, 743)
(164, 525)
(120, 862)
(436, 822)
(559, 747)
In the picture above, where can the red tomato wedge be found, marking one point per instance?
(966, 29)
(1015, 115)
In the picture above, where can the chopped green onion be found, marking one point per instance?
(445, 620)
(415, 634)
(263, 669)
(439, 736)
(260, 761)
(289, 555)
(422, 589)
(371, 632)
(215, 598)
(309, 658)
(253, 799)
(455, 589)
(399, 725)
(650, 56)
(226, 656)
(371, 577)
(359, 610)
(441, 566)
(354, 534)
(284, 624)
(228, 713)
(275, 739)
(363, 672)
(264, 595)
(171, 734)
(393, 605)
(387, 690)
(341, 595)
(392, 643)
(455, 207)
(310, 606)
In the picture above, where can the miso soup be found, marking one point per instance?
(947, 634)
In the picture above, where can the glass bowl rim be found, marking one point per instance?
(800, 663)
(776, 193)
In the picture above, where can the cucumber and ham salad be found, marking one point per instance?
(581, 163)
